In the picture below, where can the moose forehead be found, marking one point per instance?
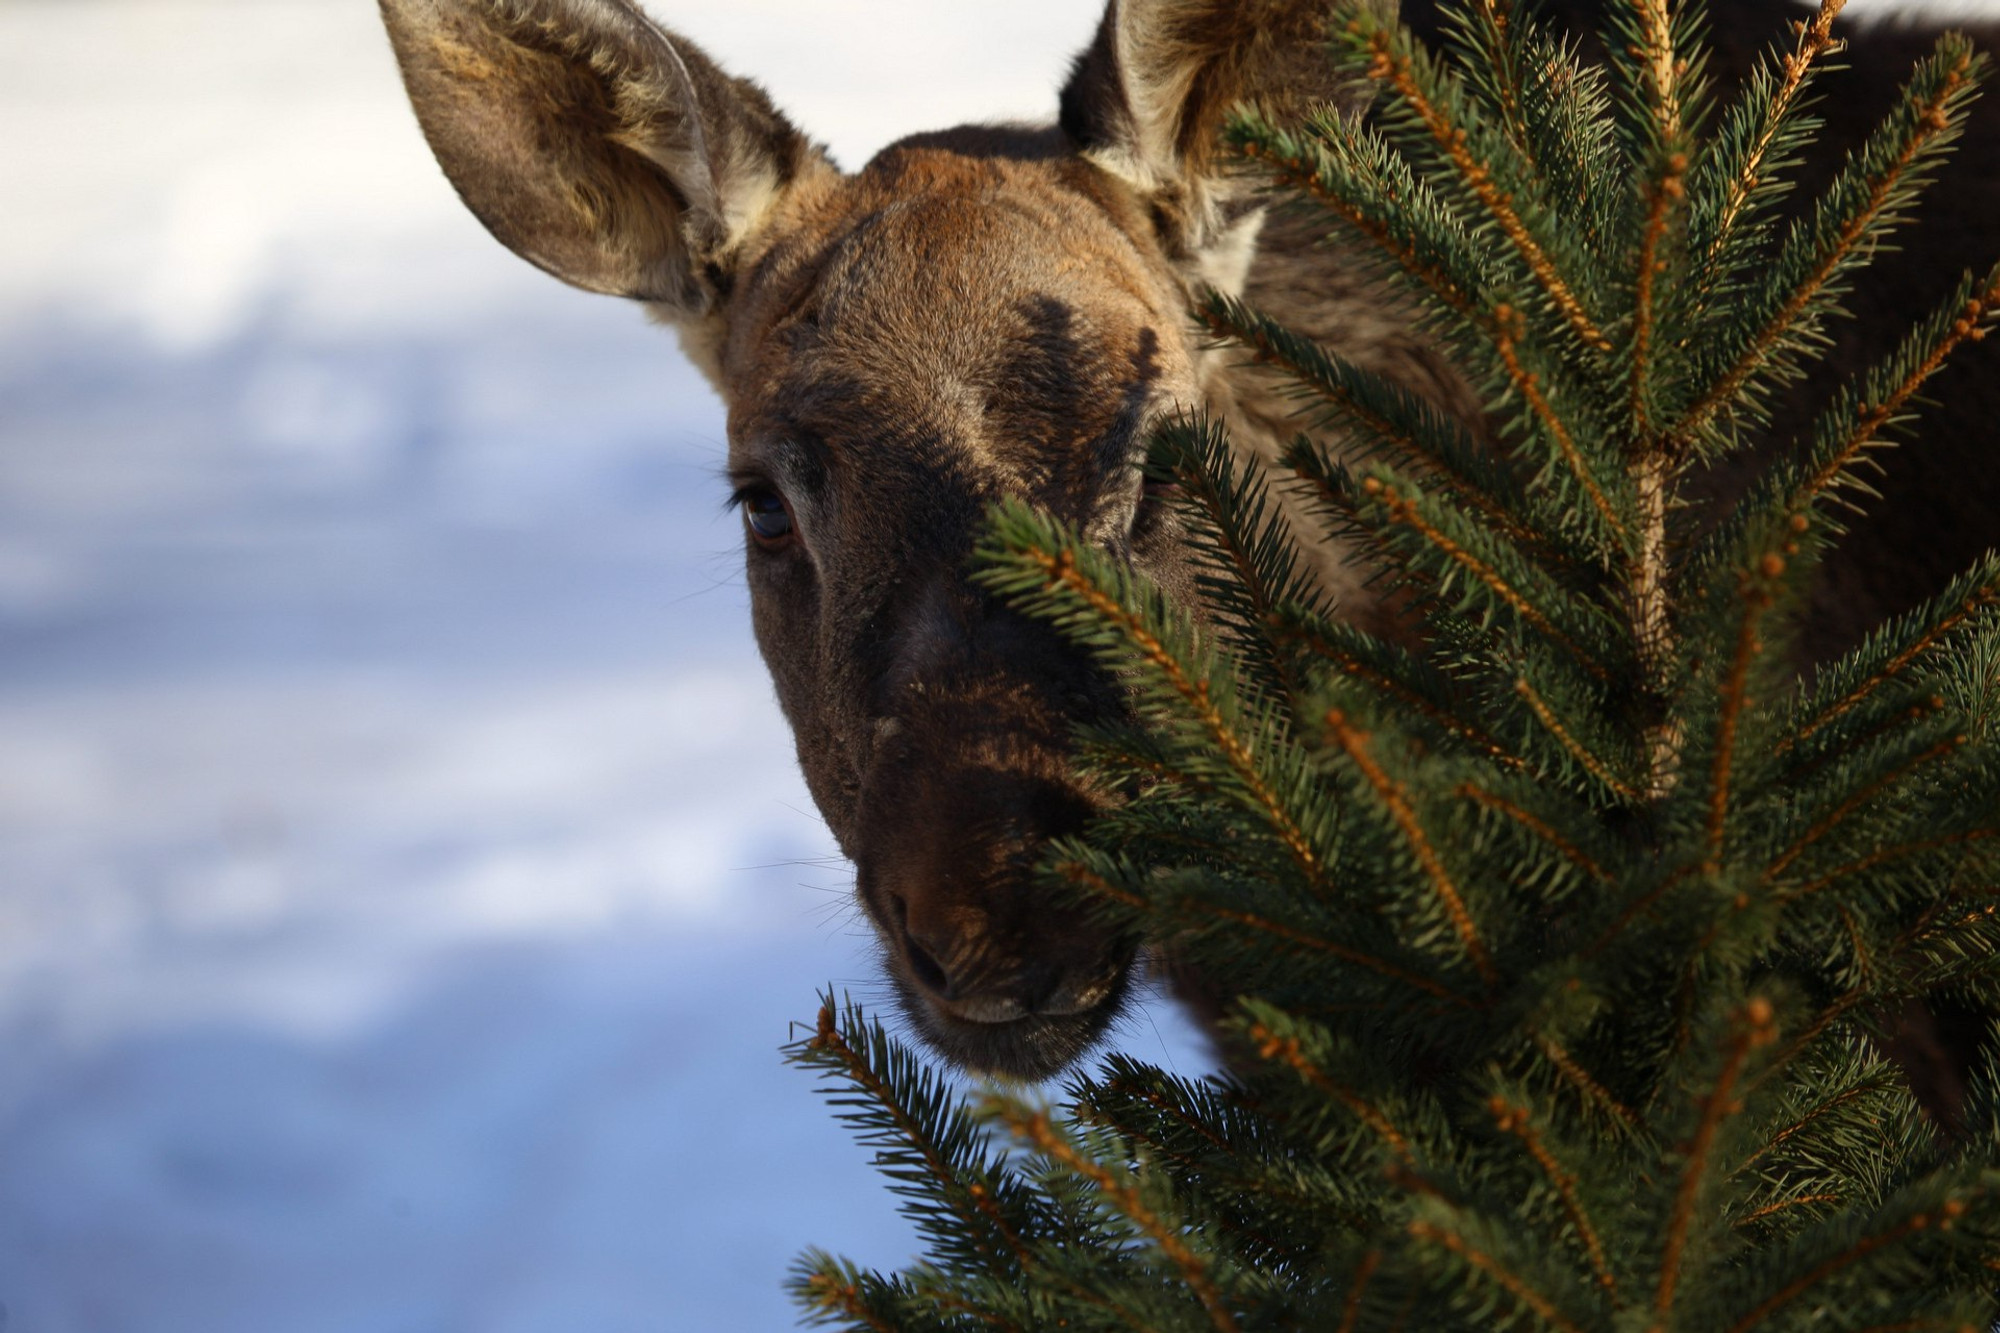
(1000, 324)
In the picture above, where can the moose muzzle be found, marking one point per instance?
(1000, 970)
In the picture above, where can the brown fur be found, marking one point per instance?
(976, 313)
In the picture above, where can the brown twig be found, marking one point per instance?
(1061, 571)
(1354, 742)
(1931, 122)
(1286, 1050)
(1035, 1128)
(1514, 1120)
(1513, 1285)
(1832, 818)
(1596, 767)
(1568, 850)
(1394, 68)
(1757, 599)
(1754, 1028)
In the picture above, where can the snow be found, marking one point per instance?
(405, 882)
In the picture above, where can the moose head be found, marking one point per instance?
(975, 314)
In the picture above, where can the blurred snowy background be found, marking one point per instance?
(405, 883)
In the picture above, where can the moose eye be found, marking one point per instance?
(769, 517)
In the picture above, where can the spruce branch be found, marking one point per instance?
(1428, 256)
(906, 1113)
(1396, 801)
(1125, 1078)
(1653, 55)
(1869, 198)
(1281, 1208)
(1758, 596)
(1286, 936)
(1749, 173)
(1120, 1190)
(1943, 1215)
(1752, 1029)
(1890, 855)
(1487, 32)
(1518, 1121)
(1332, 949)
(1857, 1076)
(1598, 768)
(1857, 422)
(1858, 738)
(1508, 331)
(1666, 171)
(1416, 84)
(1393, 421)
(1829, 1016)
(1278, 1040)
(1068, 576)
(1395, 673)
(832, 1290)
(1492, 573)
(1784, 1205)
(1496, 1270)
(1245, 555)
(1860, 797)
(1537, 826)
(1357, 1288)
(1895, 650)
(1594, 1093)
(1638, 909)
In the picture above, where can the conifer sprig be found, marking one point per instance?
(1051, 571)
(1761, 139)
(1869, 199)
(1562, 936)
(964, 1199)
(1489, 168)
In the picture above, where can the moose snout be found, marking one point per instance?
(972, 972)
(994, 968)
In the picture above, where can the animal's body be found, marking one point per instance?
(989, 312)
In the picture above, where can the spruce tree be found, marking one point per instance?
(1563, 932)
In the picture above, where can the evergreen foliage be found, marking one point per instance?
(1562, 935)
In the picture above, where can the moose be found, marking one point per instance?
(997, 311)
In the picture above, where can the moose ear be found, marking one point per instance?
(1148, 98)
(594, 144)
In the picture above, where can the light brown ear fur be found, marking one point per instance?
(596, 145)
(1148, 98)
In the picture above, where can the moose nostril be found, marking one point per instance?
(925, 967)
